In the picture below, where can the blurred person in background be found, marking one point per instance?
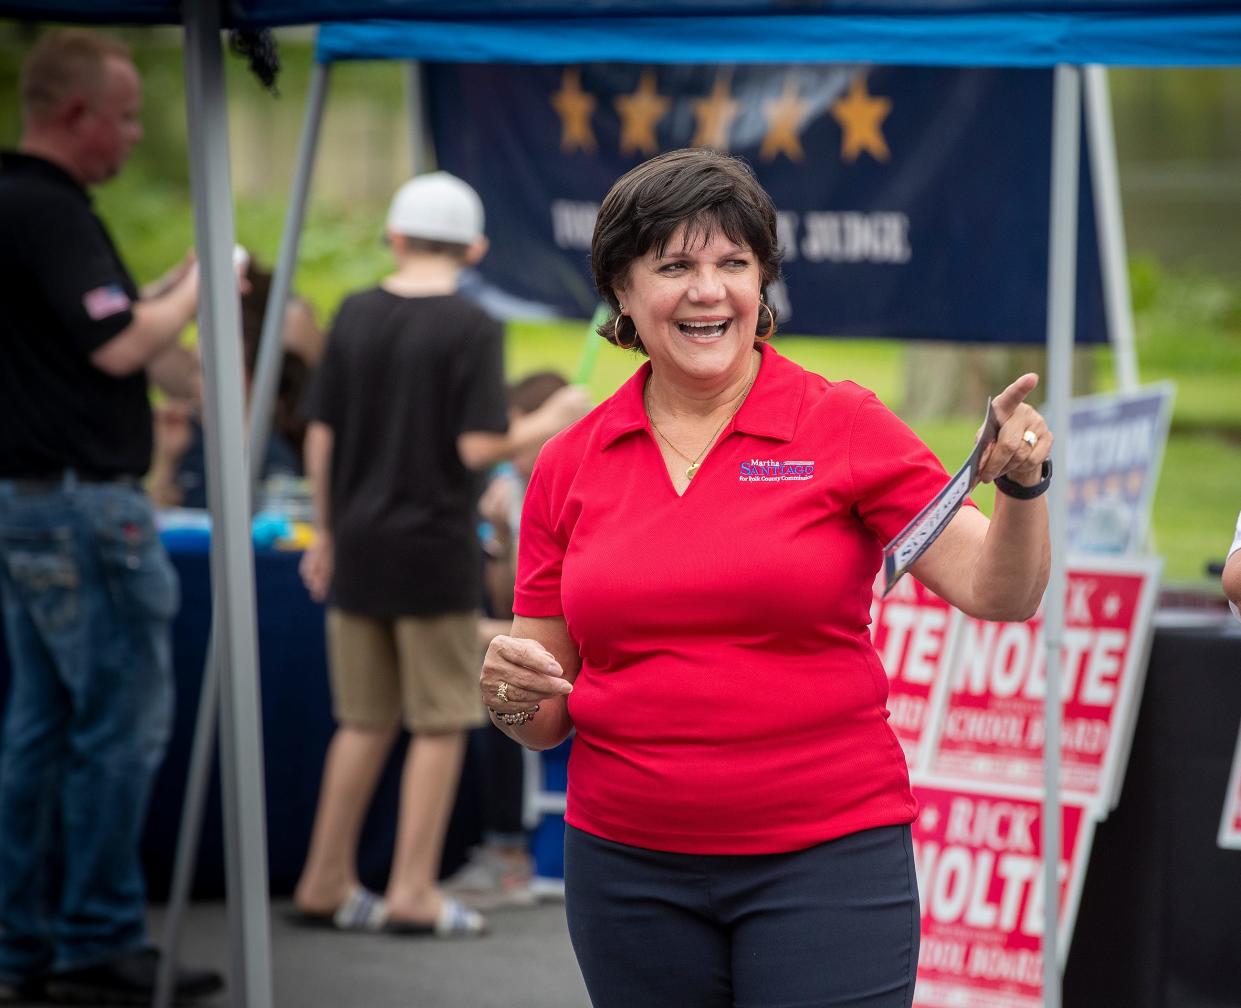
(178, 465)
(499, 871)
(88, 592)
(693, 593)
(1232, 572)
(407, 410)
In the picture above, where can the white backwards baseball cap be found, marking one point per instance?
(438, 207)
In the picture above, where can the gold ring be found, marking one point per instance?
(502, 692)
(1030, 438)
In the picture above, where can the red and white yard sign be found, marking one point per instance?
(913, 630)
(1230, 822)
(980, 885)
(991, 729)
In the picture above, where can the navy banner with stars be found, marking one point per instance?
(912, 202)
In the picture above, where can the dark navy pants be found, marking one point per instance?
(836, 924)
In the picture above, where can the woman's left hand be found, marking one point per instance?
(519, 672)
(1023, 441)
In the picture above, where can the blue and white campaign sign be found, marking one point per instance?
(913, 202)
(1115, 447)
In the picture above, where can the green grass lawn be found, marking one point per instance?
(1189, 332)
(1199, 490)
(1188, 325)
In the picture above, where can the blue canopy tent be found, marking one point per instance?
(1062, 33)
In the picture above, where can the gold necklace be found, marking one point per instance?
(696, 463)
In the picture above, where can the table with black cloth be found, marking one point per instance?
(1159, 924)
(297, 726)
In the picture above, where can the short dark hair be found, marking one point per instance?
(532, 391)
(434, 246)
(703, 189)
(295, 373)
(65, 62)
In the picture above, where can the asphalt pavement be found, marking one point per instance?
(524, 962)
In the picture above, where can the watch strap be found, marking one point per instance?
(1011, 488)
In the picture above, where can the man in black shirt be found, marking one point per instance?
(408, 407)
(88, 593)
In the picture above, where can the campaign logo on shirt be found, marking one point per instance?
(103, 302)
(772, 471)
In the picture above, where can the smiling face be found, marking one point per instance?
(695, 305)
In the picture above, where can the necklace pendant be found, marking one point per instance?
(693, 468)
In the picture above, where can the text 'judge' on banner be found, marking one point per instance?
(912, 202)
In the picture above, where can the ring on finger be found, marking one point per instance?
(502, 692)
(1030, 438)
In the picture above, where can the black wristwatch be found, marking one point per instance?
(1013, 489)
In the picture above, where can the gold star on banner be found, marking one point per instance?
(574, 106)
(860, 116)
(784, 117)
(639, 113)
(715, 114)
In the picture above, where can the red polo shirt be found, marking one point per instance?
(729, 699)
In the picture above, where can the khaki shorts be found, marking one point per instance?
(423, 667)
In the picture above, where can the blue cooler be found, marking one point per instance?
(543, 812)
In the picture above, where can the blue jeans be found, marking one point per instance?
(88, 598)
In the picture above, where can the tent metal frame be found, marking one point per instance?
(233, 648)
(1061, 307)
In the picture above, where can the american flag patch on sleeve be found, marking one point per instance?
(103, 302)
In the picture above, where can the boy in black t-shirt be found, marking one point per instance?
(407, 409)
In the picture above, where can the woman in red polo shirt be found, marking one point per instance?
(694, 585)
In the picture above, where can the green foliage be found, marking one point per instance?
(1145, 275)
(1188, 319)
(1188, 330)
(1198, 493)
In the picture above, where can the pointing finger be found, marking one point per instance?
(1014, 395)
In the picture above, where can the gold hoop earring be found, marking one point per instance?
(616, 335)
(771, 329)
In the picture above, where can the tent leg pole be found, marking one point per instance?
(197, 777)
(1101, 143)
(271, 343)
(266, 379)
(235, 638)
(421, 153)
(1061, 310)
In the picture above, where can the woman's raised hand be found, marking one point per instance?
(1023, 441)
